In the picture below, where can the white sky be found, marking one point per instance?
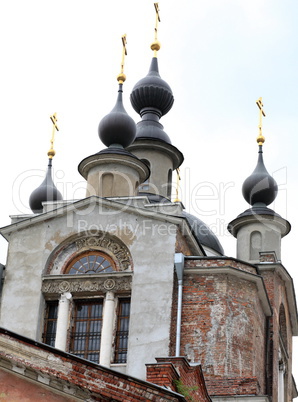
(217, 56)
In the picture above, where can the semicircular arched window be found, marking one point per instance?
(91, 263)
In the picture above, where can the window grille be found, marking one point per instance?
(121, 340)
(91, 263)
(49, 335)
(86, 335)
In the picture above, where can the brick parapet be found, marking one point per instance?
(188, 377)
(162, 374)
(101, 383)
(209, 262)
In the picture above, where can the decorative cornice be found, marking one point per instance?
(102, 159)
(53, 285)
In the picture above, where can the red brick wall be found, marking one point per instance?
(15, 388)
(104, 384)
(223, 328)
(277, 295)
(181, 245)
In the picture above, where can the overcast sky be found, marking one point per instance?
(218, 57)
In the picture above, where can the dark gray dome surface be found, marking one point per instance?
(260, 187)
(152, 92)
(117, 127)
(203, 233)
(117, 151)
(47, 191)
(153, 130)
(258, 210)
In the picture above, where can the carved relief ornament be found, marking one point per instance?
(86, 285)
(119, 251)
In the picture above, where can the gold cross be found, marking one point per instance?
(177, 185)
(121, 77)
(51, 152)
(156, 45)
(157, 19)
(260, 138)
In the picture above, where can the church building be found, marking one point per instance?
(124, 295)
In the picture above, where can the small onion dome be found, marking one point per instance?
(117, 127)
(260, 187)
(47, 191)
(152, 92)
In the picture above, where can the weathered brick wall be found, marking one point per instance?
(276, 290)
(220, 262)
(223, 328)
(61, 370)
(15, 388)
(181, 245)
(232, 386)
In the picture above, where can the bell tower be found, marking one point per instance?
(152, 98)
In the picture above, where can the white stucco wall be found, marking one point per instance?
(151, 242)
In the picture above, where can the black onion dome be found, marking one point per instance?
(117, 127)
(260, 187)
(47, 191)
(203, 233)
(152, 92)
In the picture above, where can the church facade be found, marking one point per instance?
(128, 280)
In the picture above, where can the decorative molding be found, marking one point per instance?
(72, 247)
(79, 284)
(105, 242)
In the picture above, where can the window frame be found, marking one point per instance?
(52, 334)
(90, 302)
(87, 255)
(118, 350)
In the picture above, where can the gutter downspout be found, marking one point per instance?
(179, 267)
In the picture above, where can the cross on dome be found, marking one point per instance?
(260, 138)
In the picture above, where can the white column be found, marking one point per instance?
(281, 384)
(107, 330)
(62, 321)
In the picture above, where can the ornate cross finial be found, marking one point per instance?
(156, 45)
(178, 178)
(157, 19)
(260, 138)
(122, 77)
(51, 152)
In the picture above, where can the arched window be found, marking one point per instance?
(80, 281)
(145, 186)
(92, 262)
(283, 327)
(169, 189)
(283, 356)
(107, 183)
(255, 245)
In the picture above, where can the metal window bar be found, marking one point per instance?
(86, 334)
(50, 325)
(121, 341)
